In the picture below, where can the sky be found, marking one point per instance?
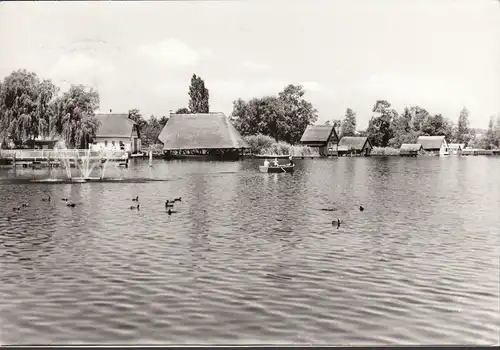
(439, 54)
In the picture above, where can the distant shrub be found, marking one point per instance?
(265, 145)
(259, 142)
(385, 151)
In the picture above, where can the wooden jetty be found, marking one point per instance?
(83, 159)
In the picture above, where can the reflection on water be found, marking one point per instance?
(251, 257)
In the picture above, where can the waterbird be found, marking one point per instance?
(136, 199)
(361, 208)
(72, 205)
(168, 205)
(134, 207)
(64, 199)
(25, 205)
(46, 199)
(16, 208)
(336, 222)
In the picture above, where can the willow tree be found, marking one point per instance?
(25, 106)
(73, 116)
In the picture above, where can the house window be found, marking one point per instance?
(122, 145)
(113, 143)
(106, 143)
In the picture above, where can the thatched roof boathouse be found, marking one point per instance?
(435, 145)
(354, 146)
(324, 137)
(410, 149)
(201, 134)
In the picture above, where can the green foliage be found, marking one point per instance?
(462, 134)
(258, 142)
(198, 96)
(284, 117)
(263, 144)
(183, 110)
(136, 116)
(152, 129)
(379, 127)
(348, 127)
(25, 106)
(384, 151)
(73, 117)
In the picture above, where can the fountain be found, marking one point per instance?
(86, 161)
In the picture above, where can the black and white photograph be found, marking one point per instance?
(250, 172)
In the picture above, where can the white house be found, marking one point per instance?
(434, 144)
(117, 132)
(456, 148)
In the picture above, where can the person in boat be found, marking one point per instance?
(275, 162)
(291, 161)
(266, 163)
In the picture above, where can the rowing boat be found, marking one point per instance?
(277, 169)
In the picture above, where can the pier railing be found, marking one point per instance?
(44, 154)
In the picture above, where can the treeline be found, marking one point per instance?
(283, 117)
(31, 107)
(387, 128)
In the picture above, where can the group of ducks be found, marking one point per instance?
(48, 199)
(168, 204)
(337, 222)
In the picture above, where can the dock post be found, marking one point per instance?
(150, 158)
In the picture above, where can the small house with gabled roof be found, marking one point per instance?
(323, 137)
(436, 145)
(354, 145)
(117, 132)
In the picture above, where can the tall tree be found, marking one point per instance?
(401, 130)
(298, 112)
(136, 116)
(379, 127)
(284, 117)
(463, 135)
(198, 96)
(489, 138)
(73, 116)
(437, 125)
(349, 123)
(497, 131)
(24, 106)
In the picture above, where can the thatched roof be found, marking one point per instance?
(354, 142)
(431, 142)
(318, 134)
(200, 131)
(411, 147)
(115, 125)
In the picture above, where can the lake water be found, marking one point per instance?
(250, 257)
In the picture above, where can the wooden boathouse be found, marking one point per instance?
(354, 146)
(323, 137)
(201, 135)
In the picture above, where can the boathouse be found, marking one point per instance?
(456, 149)
(354, 146)
(323, 137)
(201, 134)
(117, 132)
(410, 149)
(435, 145)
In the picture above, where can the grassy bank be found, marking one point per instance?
(384, 151)
(265, 145)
